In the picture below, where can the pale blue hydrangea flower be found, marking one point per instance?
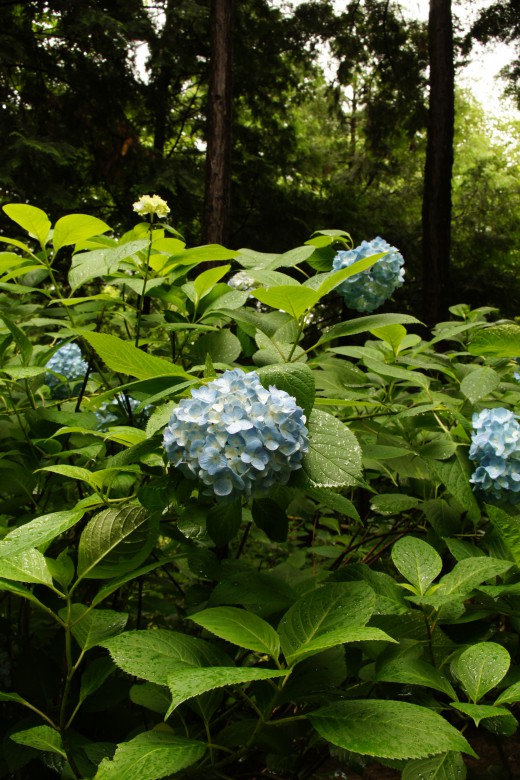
(368, 290)
(495, 447)
(236, 436)
(118, 410)
(68, 362)
(243, 281)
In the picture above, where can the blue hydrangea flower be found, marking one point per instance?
(236, 436)
(495, 447)
(118, 410)
(369, 289)
(68, 362)
(243, 281)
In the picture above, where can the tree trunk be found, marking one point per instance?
(215, 227)
(436, 214)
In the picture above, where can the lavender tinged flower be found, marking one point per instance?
(369, 289)
(495, 447)
(236, 436)
(68, 362)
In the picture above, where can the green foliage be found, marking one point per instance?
(151, 628)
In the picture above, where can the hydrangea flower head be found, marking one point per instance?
(243, 281)
(152, 204)
(236, 436)
(368, 290)
(495, 447)
(68, 362)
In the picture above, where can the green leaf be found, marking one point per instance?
(150, 756)
(27, 566)
(479, 383)
(99, 262)
(333, 278)
(294, 300)
(222, 347)
(396, 372)
(417, 561)
(508, 529)
(366, 324)
(455, 475)
(75, 228)
(30, 218)
(465, 576)
(94, 676)
(199, 254)
(390, 729)
(223, 522)
(155, 654)
(480, 712)
(22, 342)
(186, 683)
(392, 503)
(90, 627)
(446, 766)
(241, 628)
(39, 531)
(41, 738)
(510, 695)
(296, 379)
(496, 341)
(206, 281)
(116, 541)
(328, 616)
(481, 667)
(121, 356)
(414, 671)
(334, 456)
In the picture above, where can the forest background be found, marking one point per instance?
(88, 124)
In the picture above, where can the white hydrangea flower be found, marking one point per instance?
(152, 204)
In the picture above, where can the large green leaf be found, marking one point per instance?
(41, 738)
(99, 262)
(334, 456)
(122, 356)
(90, 627)
(30, 218)
(478, 712)
(155, 654)
(508, 529)
(296, 379)
(465, 576)
(331, 615)
(294, 300)
(480, 668)
(39, 531)
(366, 324)
(27, 566)
(240, 627)
(22, 342)
(417, 561)
(186, 683)
(116, 541)
(74, 228)
(501, 340)
(479, 383)
(150, 756)
(390, 729)
(446, 766)
(414, 671)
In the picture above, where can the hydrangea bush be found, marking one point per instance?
(237, 437)
(368, 290)
(288, 548)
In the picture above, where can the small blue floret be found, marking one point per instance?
(236, 436)
(68, 362)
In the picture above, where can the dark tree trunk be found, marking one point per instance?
(215, 227)
(436, 214)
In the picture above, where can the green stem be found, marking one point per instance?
(145, 282)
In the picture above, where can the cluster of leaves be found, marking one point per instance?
(147, 630)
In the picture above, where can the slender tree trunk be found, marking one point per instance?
(218, 156)
(436, 214)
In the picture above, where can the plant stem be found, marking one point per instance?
(145, 281)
